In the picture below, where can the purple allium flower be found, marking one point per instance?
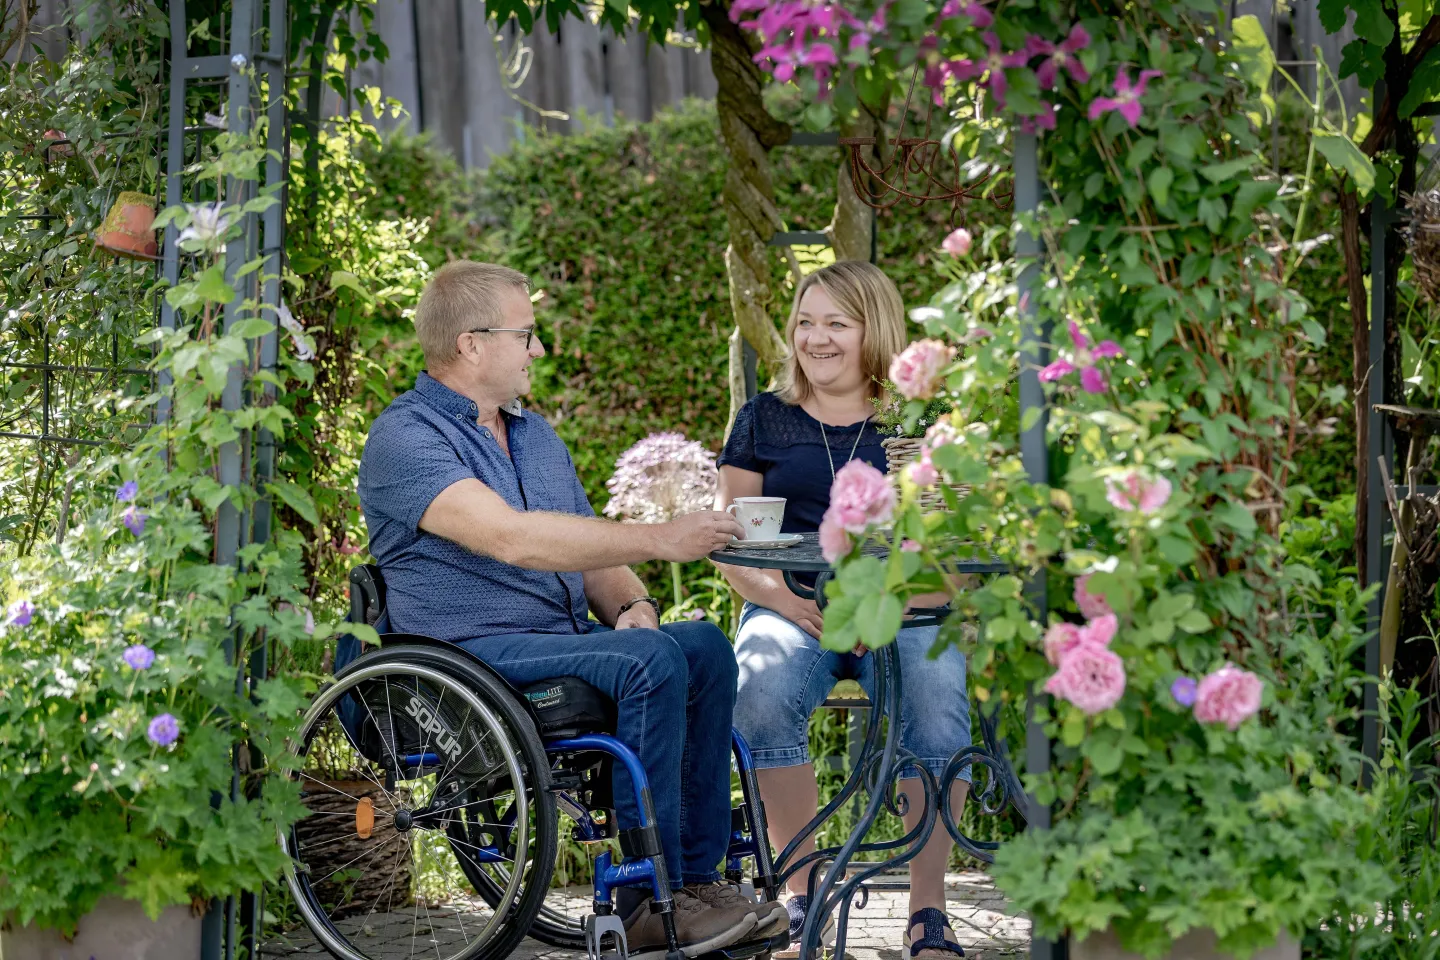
(20, 613)
(163, 730)
(134, 520)
(138, 657)
(127, 491)
(660, 478)
(1183, 690)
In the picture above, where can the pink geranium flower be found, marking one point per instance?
(1092, 605)
(1229, 696)
(1089, 676)
(834, 541)
(1127, 97)
(1092, 378)
(860, 496)
(1134, 492)
(1060, 56)
(916, 369)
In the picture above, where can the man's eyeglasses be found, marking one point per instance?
(528, 331)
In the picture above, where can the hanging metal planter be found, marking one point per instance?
(127, 230)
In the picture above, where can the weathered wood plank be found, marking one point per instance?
(490, 112)
(442, 72)
(627, 76)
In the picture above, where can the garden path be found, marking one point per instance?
(977, 910)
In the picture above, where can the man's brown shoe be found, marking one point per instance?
(699, 928)
(770, 917)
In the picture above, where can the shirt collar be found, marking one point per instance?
(447, 401)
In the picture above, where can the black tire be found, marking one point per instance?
(463, 747)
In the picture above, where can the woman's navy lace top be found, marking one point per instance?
(782, 443)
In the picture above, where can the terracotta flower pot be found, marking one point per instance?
(1195, 945)
(126, 231)
(115, 930)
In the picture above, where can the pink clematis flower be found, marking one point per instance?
(860, 496)
(1229, 696)
(995, 64)
(1126, 99)
(1059, 56)
(1044, 120)
(916, 370)
(1089, 676)
(1092, 605)
(1134, 492)
(1092, 378)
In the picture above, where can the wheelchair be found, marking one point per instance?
(434, 793)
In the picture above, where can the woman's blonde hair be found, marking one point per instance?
(862, 292)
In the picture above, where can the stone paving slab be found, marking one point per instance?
(981, 918)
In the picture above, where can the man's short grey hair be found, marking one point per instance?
(461, 296)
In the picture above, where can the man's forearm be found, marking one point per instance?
(609, 588)
(540, 540)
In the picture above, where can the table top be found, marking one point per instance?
(805, 557)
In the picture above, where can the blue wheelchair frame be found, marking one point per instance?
(645, 864)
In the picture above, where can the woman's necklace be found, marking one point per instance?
(830, 456)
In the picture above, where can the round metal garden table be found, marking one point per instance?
(879, 763)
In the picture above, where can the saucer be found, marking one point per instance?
(784, 540)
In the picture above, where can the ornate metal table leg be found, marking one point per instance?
(1002, 785)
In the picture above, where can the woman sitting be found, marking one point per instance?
(846, 326)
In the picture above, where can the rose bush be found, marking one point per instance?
(1229, 801)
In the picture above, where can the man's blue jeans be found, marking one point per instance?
(674, 689)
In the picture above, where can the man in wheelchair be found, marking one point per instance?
(486, 539)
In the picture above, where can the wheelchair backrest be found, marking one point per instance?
(367, 605)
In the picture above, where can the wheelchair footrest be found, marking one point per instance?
(747, 949)
(596, 929)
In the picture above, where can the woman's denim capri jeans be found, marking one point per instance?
(785, 675)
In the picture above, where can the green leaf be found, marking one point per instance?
(1194, 622)
(1252, 194)
(1251, 50)
(347, 280)
(878, 618)
(211, 286)
(1174, 549)
(1229, 170)
(1343, 155)
(304, 265)
(1072, 731)
(296, 498)
(1371, 22)
(1105, 753)
(1159, 183)
(251, 327)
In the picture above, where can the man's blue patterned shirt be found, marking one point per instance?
(424, 442)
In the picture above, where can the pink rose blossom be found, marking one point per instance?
(917, 368)
(1134, 492)
(1229, 696)
(1100, 631)
(910, 546)
(1060, 639)
(860, 496)
(922, 472)
(940, 433)
(834, 541)
(1090, 676)
(1092, 605)
(1127, 98)
(957, 244)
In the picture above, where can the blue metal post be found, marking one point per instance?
(1378, 445)
(1034, 453)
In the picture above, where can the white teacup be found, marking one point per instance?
(760, 516)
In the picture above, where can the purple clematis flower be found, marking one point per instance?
(134, 520)
(1045, 120)
(127, 491)
(1092, 378)
(1183, 690)
(1058, 56)
(995, 64)
(138, 657)
(1126, 99)
(20, 613)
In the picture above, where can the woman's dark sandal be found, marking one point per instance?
(936, 923)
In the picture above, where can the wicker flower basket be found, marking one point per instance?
(1425, 240)
(900, 452)
(352, 891)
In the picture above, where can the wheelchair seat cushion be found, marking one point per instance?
(568, 707)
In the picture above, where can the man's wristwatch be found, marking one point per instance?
(630, 603)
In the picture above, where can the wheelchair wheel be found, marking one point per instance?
(560, 920)
(418, 770)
